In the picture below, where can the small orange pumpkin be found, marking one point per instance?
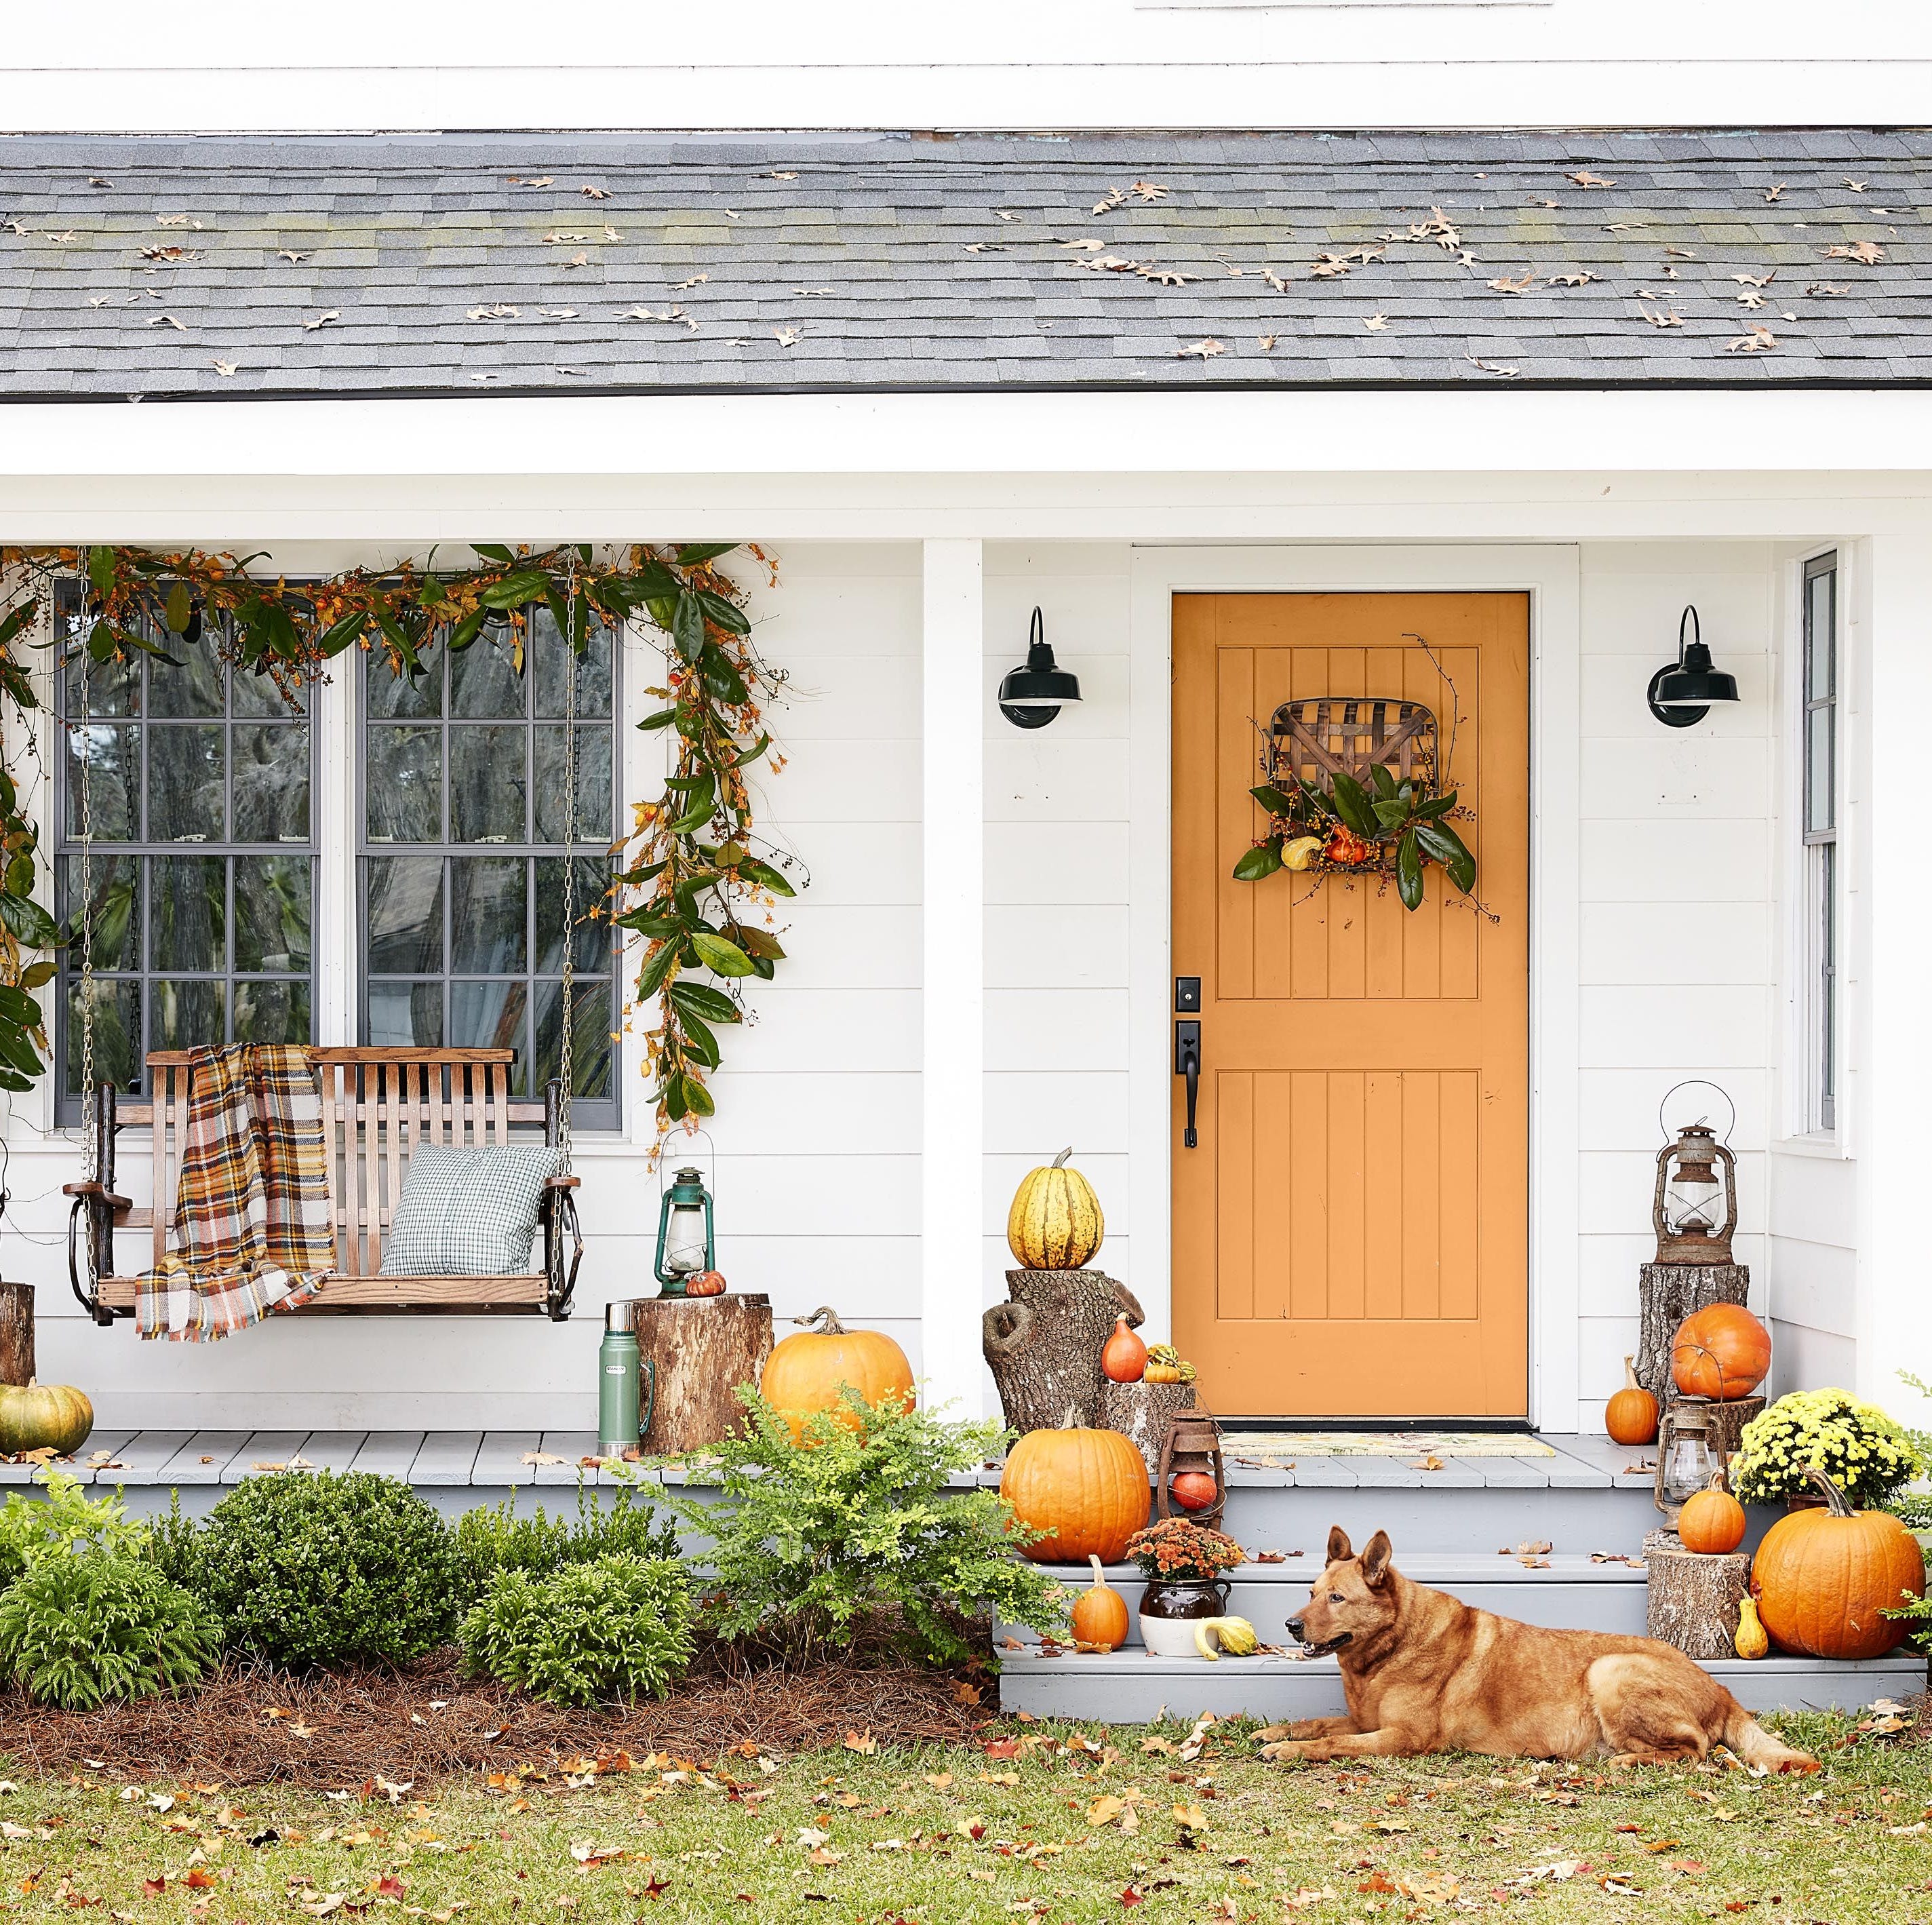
(1089, 1486)
(1100, 1614)
(1826, 1579)
(705, 1283)
(1192, 1490)
(1630, 1415)
(1721, 1351)
(812, 1370)
(1712, 1520)
(1125, 1359)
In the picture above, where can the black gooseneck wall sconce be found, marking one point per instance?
(1681, 692)
(1030, 697)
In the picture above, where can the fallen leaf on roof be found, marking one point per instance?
(1493, 367)
(220, 367)
(1002, 213)
(1584, 177)
(1164, 276)
(590, 193)
(1772, 192)
(1503, 284)
(776, 175)
(1148, 191)
(1756, 339)
(558, 313)
(985, 247)
(655, 314)
(696, 281)
(66, 240)
(558, 238)
(1857, 187)
(811, 290)
(292, 254)
(1825, 287)
(1756, 280)
(1750, 298)
(785, 336)
(579, 372)
(322, 319)
(1625, 226)
(1867, 254)
(497, 310)
(1114, 196)
(531, 180)
(1580, 279)
(1667, 317)
(731, 213)
(170, 220)
(170, 252)
(1086, 244)
(167, 320)
(1436, 228)
(1376, 323)
(577, 260)
(1265, 342)
(99, 300)
(1203, 348)
(1330, 267)
(94, 180)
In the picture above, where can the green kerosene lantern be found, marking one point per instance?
(685, 1242)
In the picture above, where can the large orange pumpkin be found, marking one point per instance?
(1712, 1520)
(1721, 1351)
(1825, 1577)
(812, 1370)
(1090, 1486)
(1630, 1415)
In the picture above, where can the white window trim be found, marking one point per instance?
(1799, 1135)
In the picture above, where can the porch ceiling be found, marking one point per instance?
(168, 267)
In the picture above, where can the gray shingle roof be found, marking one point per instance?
(406, 265)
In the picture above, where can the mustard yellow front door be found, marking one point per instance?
(1351, 1234)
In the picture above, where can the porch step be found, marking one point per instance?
(1566, 1591)
(1132, 1687)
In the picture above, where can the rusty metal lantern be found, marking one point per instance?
(1192, 1442)
(1686, 1458)
(1694, 1207)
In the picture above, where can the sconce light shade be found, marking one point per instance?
(1030, 697)
(1681, 692)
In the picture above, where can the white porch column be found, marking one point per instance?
(1891, 1046)
(952, 918)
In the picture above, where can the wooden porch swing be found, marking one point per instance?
(378, 1106)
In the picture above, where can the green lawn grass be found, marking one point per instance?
(1051, 1822)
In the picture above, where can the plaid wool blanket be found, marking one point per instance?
(252, 1224)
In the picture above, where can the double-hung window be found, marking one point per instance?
(1820, 812)
(200, 793)
(205, 788)
(462, 869)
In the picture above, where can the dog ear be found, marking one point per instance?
(1340, 1548)
(1376, 1556)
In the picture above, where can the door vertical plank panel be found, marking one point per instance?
(1309, 1216)
(1279, 956)
(1236, 819)
(1461, 1118)
(1348, 1197)
(1422, 928)
(1421, 1233)
(1231, 1096)
(1277, 1193)
(1384, 1145)
(1461, 934)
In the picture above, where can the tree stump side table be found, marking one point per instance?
(1694, 1595)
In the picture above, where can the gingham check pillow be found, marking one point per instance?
(470, 1211)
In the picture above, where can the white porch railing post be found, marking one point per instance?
(952, 924)
(1891, 1045)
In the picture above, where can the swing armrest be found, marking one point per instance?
(563, 1182)
(100, 1190)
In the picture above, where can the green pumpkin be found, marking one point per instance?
(43, 1417)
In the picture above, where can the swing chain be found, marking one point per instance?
(572, 634)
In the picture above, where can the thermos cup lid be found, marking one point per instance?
(622, 1316)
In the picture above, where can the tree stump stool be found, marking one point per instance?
(16, 1333)
(1694, 1595)
(1667, 1294)
(699, 1349)
(1043, 1346)
(1140, 1411)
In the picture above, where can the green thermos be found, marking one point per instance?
(620, 1416)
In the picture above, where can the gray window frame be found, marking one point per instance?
(588, 1113)
(145, 852)
(1823, 923)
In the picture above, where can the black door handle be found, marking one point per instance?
(1187, 1063)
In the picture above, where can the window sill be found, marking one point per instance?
(1825, 1145)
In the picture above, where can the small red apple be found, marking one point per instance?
(1192, 1490)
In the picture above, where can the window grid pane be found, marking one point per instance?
(461, 874)
(1818, 759)
(175, 858)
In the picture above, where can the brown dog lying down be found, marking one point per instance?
(1426, 1672)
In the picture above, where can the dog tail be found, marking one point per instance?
(1755, 1746)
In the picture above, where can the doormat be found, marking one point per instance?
(1270, 1447)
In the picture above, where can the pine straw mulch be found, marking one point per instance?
(428, 1721)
